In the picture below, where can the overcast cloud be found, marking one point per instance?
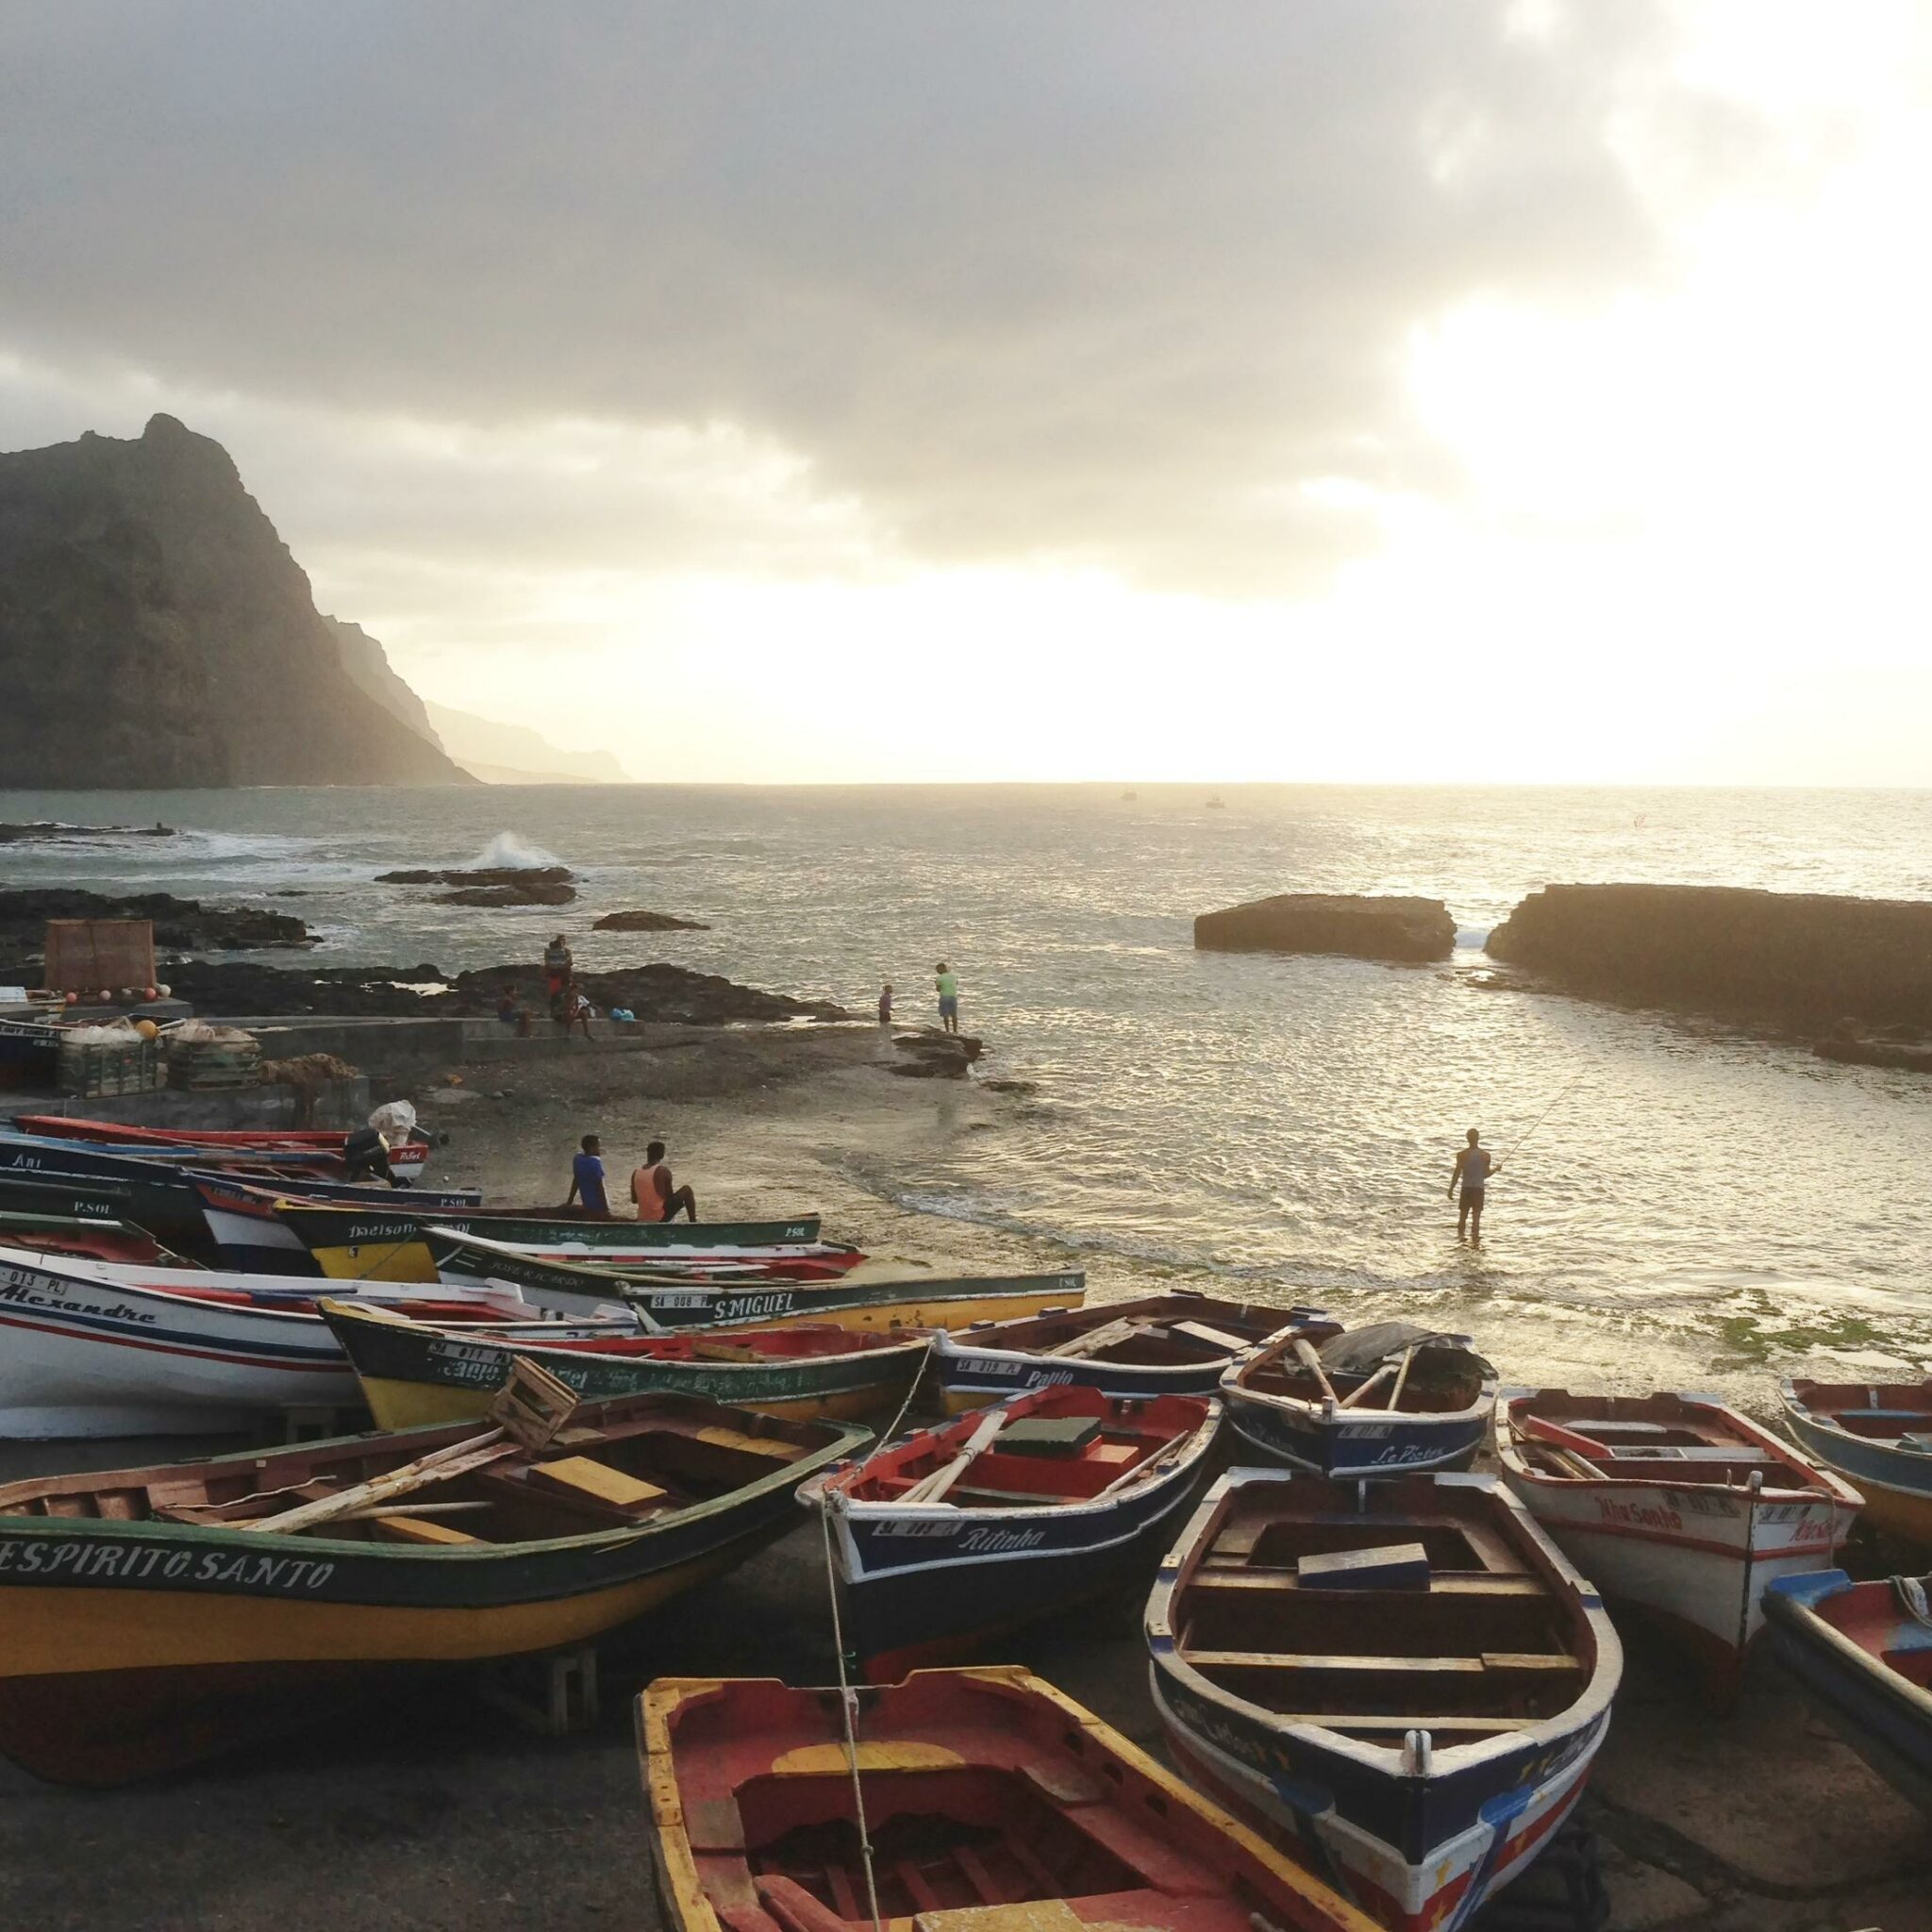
(1106, 283)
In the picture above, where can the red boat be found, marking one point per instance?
(405, 1159)
(990, 1801)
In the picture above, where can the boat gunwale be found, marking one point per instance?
(1236, 1389)
(1590, 1707)
(1798, 1619)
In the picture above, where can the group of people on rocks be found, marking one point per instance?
(655, 1194)
(947, 984)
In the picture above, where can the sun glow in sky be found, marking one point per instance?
(1487, 393)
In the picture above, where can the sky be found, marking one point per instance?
(1349, 390)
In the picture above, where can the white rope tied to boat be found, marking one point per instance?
(848, 1708)
(892, 1428)
(1910, 1591)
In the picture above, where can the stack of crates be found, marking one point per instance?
(92, 1069)
(230, 1058)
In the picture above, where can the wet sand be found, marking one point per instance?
(439, 1811)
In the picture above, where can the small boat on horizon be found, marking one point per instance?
(1676, 1506)
(1381, 1400)
(1217, 803)
(1863, 1652)
(1878, 1436)
(1172, 1344)
(992, 1803)
(1404, 1681)
(951, 1535)
(154, 1617)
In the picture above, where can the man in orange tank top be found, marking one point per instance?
(656, 1197)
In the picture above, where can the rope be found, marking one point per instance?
(848, 1704)
(1521, 1139)
(1910, 1591)
(892, 1429)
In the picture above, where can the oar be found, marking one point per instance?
(1374, 1381)
(1312, 1362)
(932, 1489)
(1408, 1362)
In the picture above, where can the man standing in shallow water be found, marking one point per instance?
(1471, 1171)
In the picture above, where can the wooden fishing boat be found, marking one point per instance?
(148, 1619)
(1174, 1344)
(1405, 1680)
(920, 1303)
(1376, 1401)
(82, 1237)
(295, 1161)
(992, 1802)
(1863, 1651)
(355, 1245)
(1879, 1434)
(1675, 1506)
(413, 1371)
(953, 1536)
(95, 1349)
(406, 1156)
(240, 1214)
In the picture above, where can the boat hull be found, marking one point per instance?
(213, 1631)
(932, 1585)
(1886, 1719)
(413, 1375)
(1896, 1483)
(1297, 1436)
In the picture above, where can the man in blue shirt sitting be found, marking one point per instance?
(587, 1179)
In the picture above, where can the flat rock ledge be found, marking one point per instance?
(1808, 958)
(475, 876)
(932, 1053)
(1362, 925)
(647, 922)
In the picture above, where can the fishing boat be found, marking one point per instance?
(1406, 1681)
(239, 1210)
(413, 1371)
(90, 1348)
(1879, 1434)
(1863, 1651)
(955, 1535)
(390, 1243)
(1676, 1506)
(1175, 1345)
(990, 1803)
(407, 1155)
(722, 1300)
(83, 1237)
(152, 1617)
(1376, 1401)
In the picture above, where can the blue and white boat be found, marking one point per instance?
(1863, 1651)
(1162, 1344)
(1386, 1400)
(1402, 1682)
(1879, 1434)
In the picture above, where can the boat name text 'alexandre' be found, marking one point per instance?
(38, 1291)
(124, 1562)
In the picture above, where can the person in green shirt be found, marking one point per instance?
(949, 998)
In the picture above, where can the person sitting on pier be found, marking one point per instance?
(587, 1179)
(658, 1197)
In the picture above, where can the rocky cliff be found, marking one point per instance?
(369, 668)
(1734, 949)
(155, 631)
(1364, 927)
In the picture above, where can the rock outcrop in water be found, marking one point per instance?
(647, 922)
(474, 876)
(180, 925)
(1360, 925)
(157, 632)
(1805, 957)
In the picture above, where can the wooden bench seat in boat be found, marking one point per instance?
(1217, 1339)
(1232, 1580)
(1708, 1451)
(1507, 1663)
(720, 1436)
(1389, 1723)
(585, 1476)
(396, 1527)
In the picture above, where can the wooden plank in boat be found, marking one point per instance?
(721, 1438)
(1372, 1721)
(1504, 1662)
(1704, 1452)
(1388, 1566)
(397, 1529)
(1261, 1580)
(584, 1475)
(1048, 1435)
(1035, 1915)
(1214, 1338)
(1122, 1330)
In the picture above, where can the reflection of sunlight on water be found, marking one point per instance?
(1275, 1127)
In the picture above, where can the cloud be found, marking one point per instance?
(829, 290)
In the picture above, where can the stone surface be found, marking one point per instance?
(157, 632)
(541, 894)
(184, 925)
(647, 922)
(1799, 956)
(53, 831)
(476, 875)
(933, 1054)
(1362, 925)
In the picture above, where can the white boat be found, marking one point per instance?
(96, 1348)
(1676, 1506)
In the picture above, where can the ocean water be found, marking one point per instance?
(1691, 1194)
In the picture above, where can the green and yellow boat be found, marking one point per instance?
(145, 1623)
(415, 1373)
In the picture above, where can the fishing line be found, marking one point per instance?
(1523, 1139)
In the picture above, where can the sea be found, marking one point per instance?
(1678, 1198)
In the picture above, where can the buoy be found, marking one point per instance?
(159, 993)
(150, 993)
(107, 996)
(146, 1028)
(69, 999)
